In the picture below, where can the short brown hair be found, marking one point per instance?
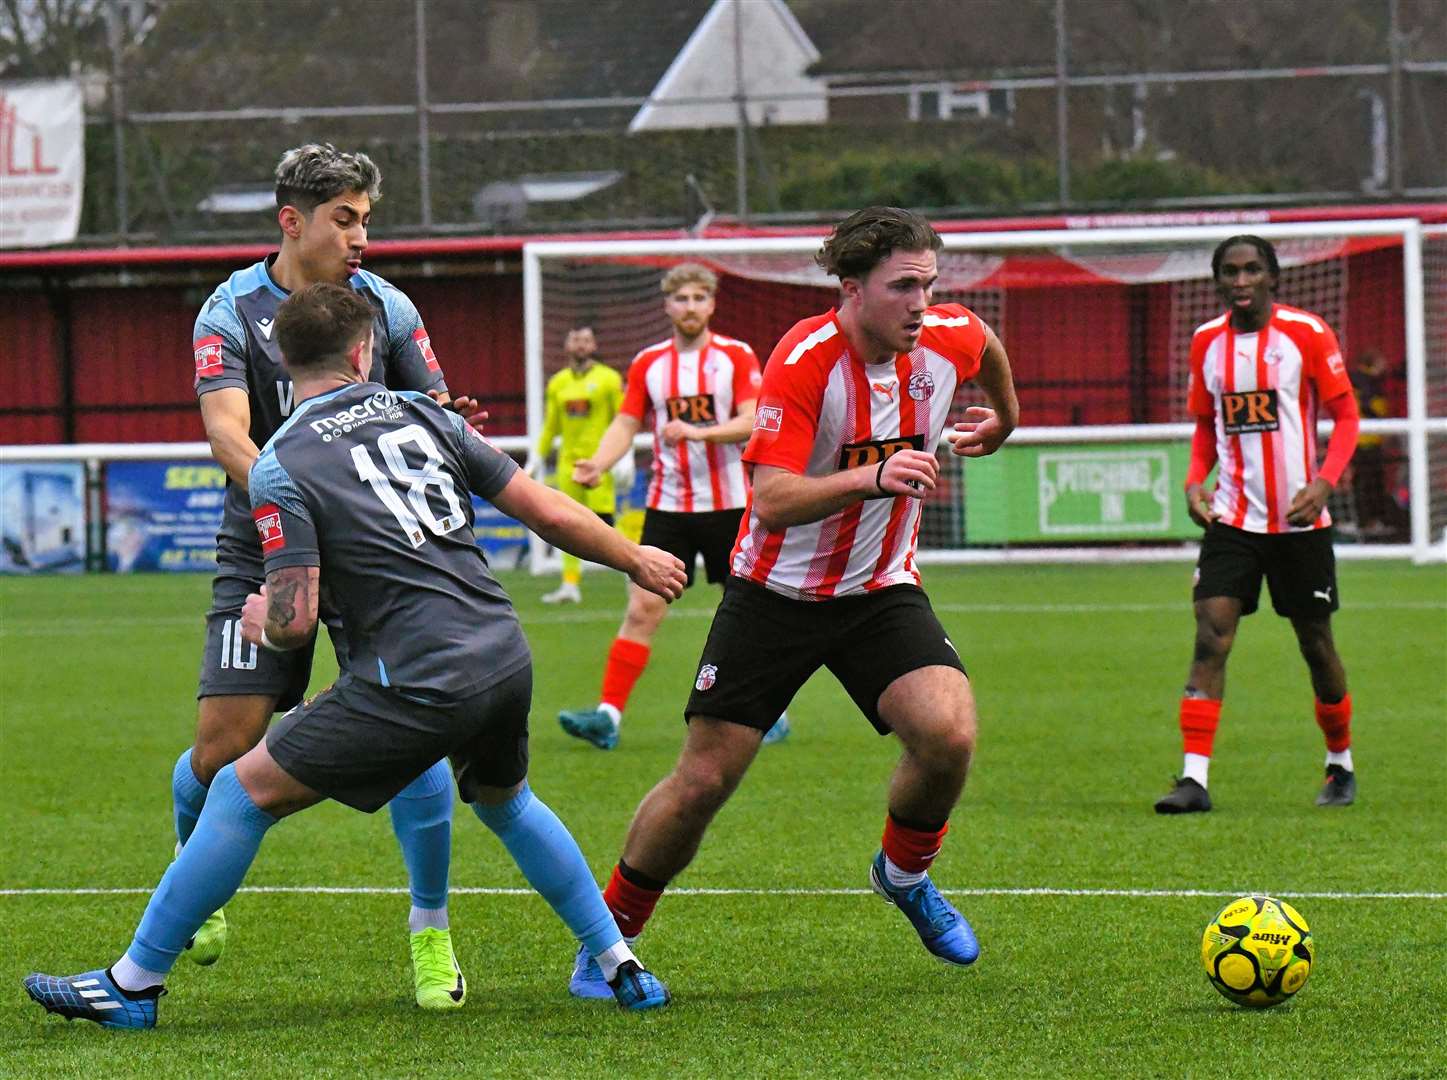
(317, 326)
(867, 237)
(307, 176)
(689, 274)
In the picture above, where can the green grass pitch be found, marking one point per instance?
(781, 964)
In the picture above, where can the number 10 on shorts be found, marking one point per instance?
(234, 648)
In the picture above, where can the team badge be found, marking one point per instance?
(424, 346)
(921, 385)
(268, 528)
(707, 676)
(1274, 357)
(768, 418)
(208, 357)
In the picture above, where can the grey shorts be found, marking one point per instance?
(361, 744)
(230, 665)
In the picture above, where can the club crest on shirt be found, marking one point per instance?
(921, 385)
(1274, 357)
(268, 527)
(707, 676)
(769, 418)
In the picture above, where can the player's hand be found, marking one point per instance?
(253, 616)
(978, 434)
(470, 409)
(659, 572)
(1308, 503)
(909, 472)
(1198, 505)
(587, 473)
(676, 431)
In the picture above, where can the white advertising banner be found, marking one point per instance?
(42, 162)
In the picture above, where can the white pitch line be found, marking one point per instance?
(377, 890)
(61, 627)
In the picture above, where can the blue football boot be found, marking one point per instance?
(594, 725)
(93, 996)
(635, 989)
(941, 928)
(587, 981)
(779, 732)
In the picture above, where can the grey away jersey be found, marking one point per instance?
(234, 346)
(372, 485)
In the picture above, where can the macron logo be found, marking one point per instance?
(265, 325)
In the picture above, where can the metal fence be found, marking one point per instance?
(181, 146)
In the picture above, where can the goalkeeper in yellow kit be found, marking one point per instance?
(582, 400)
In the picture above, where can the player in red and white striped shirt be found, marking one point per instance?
(696, 392)
(852, 407)
(1260, 373)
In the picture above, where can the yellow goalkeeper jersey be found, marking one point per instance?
(579, 409)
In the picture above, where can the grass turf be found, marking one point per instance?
(1077, 671)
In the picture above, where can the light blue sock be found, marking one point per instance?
(205, 875)
(549, 858)
(188, 795)
(422, 820)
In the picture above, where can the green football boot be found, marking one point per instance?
(210, 941)
(439, 980)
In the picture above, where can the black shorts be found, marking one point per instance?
(710, 532)
(230, 665)
(361, 744)
(1299, 567)
(763, 646)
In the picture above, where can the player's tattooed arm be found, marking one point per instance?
(283, 615)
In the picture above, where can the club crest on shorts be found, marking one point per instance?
(707, 676)
(921, 385)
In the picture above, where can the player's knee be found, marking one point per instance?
(953, 746)
(705, 783)
(1213, 643)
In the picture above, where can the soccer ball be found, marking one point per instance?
(1257, 951)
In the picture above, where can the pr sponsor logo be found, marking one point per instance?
(693, 409)
(853, 455)
(1248, 412)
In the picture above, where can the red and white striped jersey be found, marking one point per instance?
(1264, 390)
(703, 387)
(822, 410)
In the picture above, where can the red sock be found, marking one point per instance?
(912, 850)
(630, 904)
(1335, 721)
(626, 661)
(1199, 718)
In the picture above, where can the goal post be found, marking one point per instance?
(1098, 323)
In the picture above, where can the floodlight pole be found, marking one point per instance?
(1062, 109)
(424, 154)
(118, 115)
(741, 146)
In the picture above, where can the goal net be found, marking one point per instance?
(1098, 325)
